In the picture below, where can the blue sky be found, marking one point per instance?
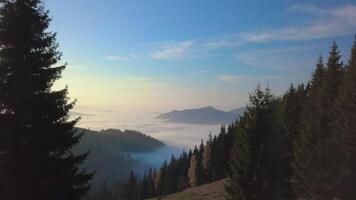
(159, 55)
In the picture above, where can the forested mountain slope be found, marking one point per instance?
(110, 153)
(115, 140)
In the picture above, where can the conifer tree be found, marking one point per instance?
(36, 135)
(161, 178)
(330, 173)
(207, 161)
(238, 181)
(255, 167)
(345, 116)
(304, 147)
(151, 184)
(294, 102)
(143, 188)
(200, 174)
(317, 150)
(132, 192)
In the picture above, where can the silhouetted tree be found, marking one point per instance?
(36, 135)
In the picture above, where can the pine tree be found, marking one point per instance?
(207, 161)
(237, 184)
(200, 174)
(132, 191)
(317, 150)
(36, 135)
(151, 184)
(345, 116)
(144, 188)
(328, 149)
(161, 178)
(255, 167)
(304, 151)
(171, 177)
(294, 102)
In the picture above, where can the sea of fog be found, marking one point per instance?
(178, 137)
(183, 136)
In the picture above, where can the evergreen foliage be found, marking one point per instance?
(115, 140)
(257, 169)
(317, 151)
(297, 146)
(308, 134)
(345, 118)
(36, 135)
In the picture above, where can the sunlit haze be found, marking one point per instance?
(156, 56)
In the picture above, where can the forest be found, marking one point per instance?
(111, 153)
(115, 140)
(299, 145)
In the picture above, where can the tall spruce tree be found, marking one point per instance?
(304, 151)
(255, 167)
(294, 101)
(329, 152)
(345, 116)
(36, 136)
(317, 151)
(238, 182)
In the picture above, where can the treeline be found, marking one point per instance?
(115, 140)
(203, 164)
(300, 145)
(110, 151)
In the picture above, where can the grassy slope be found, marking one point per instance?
(210, 191)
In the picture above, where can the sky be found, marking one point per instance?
(160, 55)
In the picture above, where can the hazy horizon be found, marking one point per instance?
(177, 99)
(158, 56)
(179, 135)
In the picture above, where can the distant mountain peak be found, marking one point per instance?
(203, 115)
(209, 108)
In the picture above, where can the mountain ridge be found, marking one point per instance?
(204, 115)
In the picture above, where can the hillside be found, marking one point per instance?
(206, 115)
(210, 191)
(115, 140)
(110, 152)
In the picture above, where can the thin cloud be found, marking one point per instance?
(334, 22)
(223, 42)
(193, 48)
(170, 51)
(231, 78)
(120, 58)
(325, 23)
